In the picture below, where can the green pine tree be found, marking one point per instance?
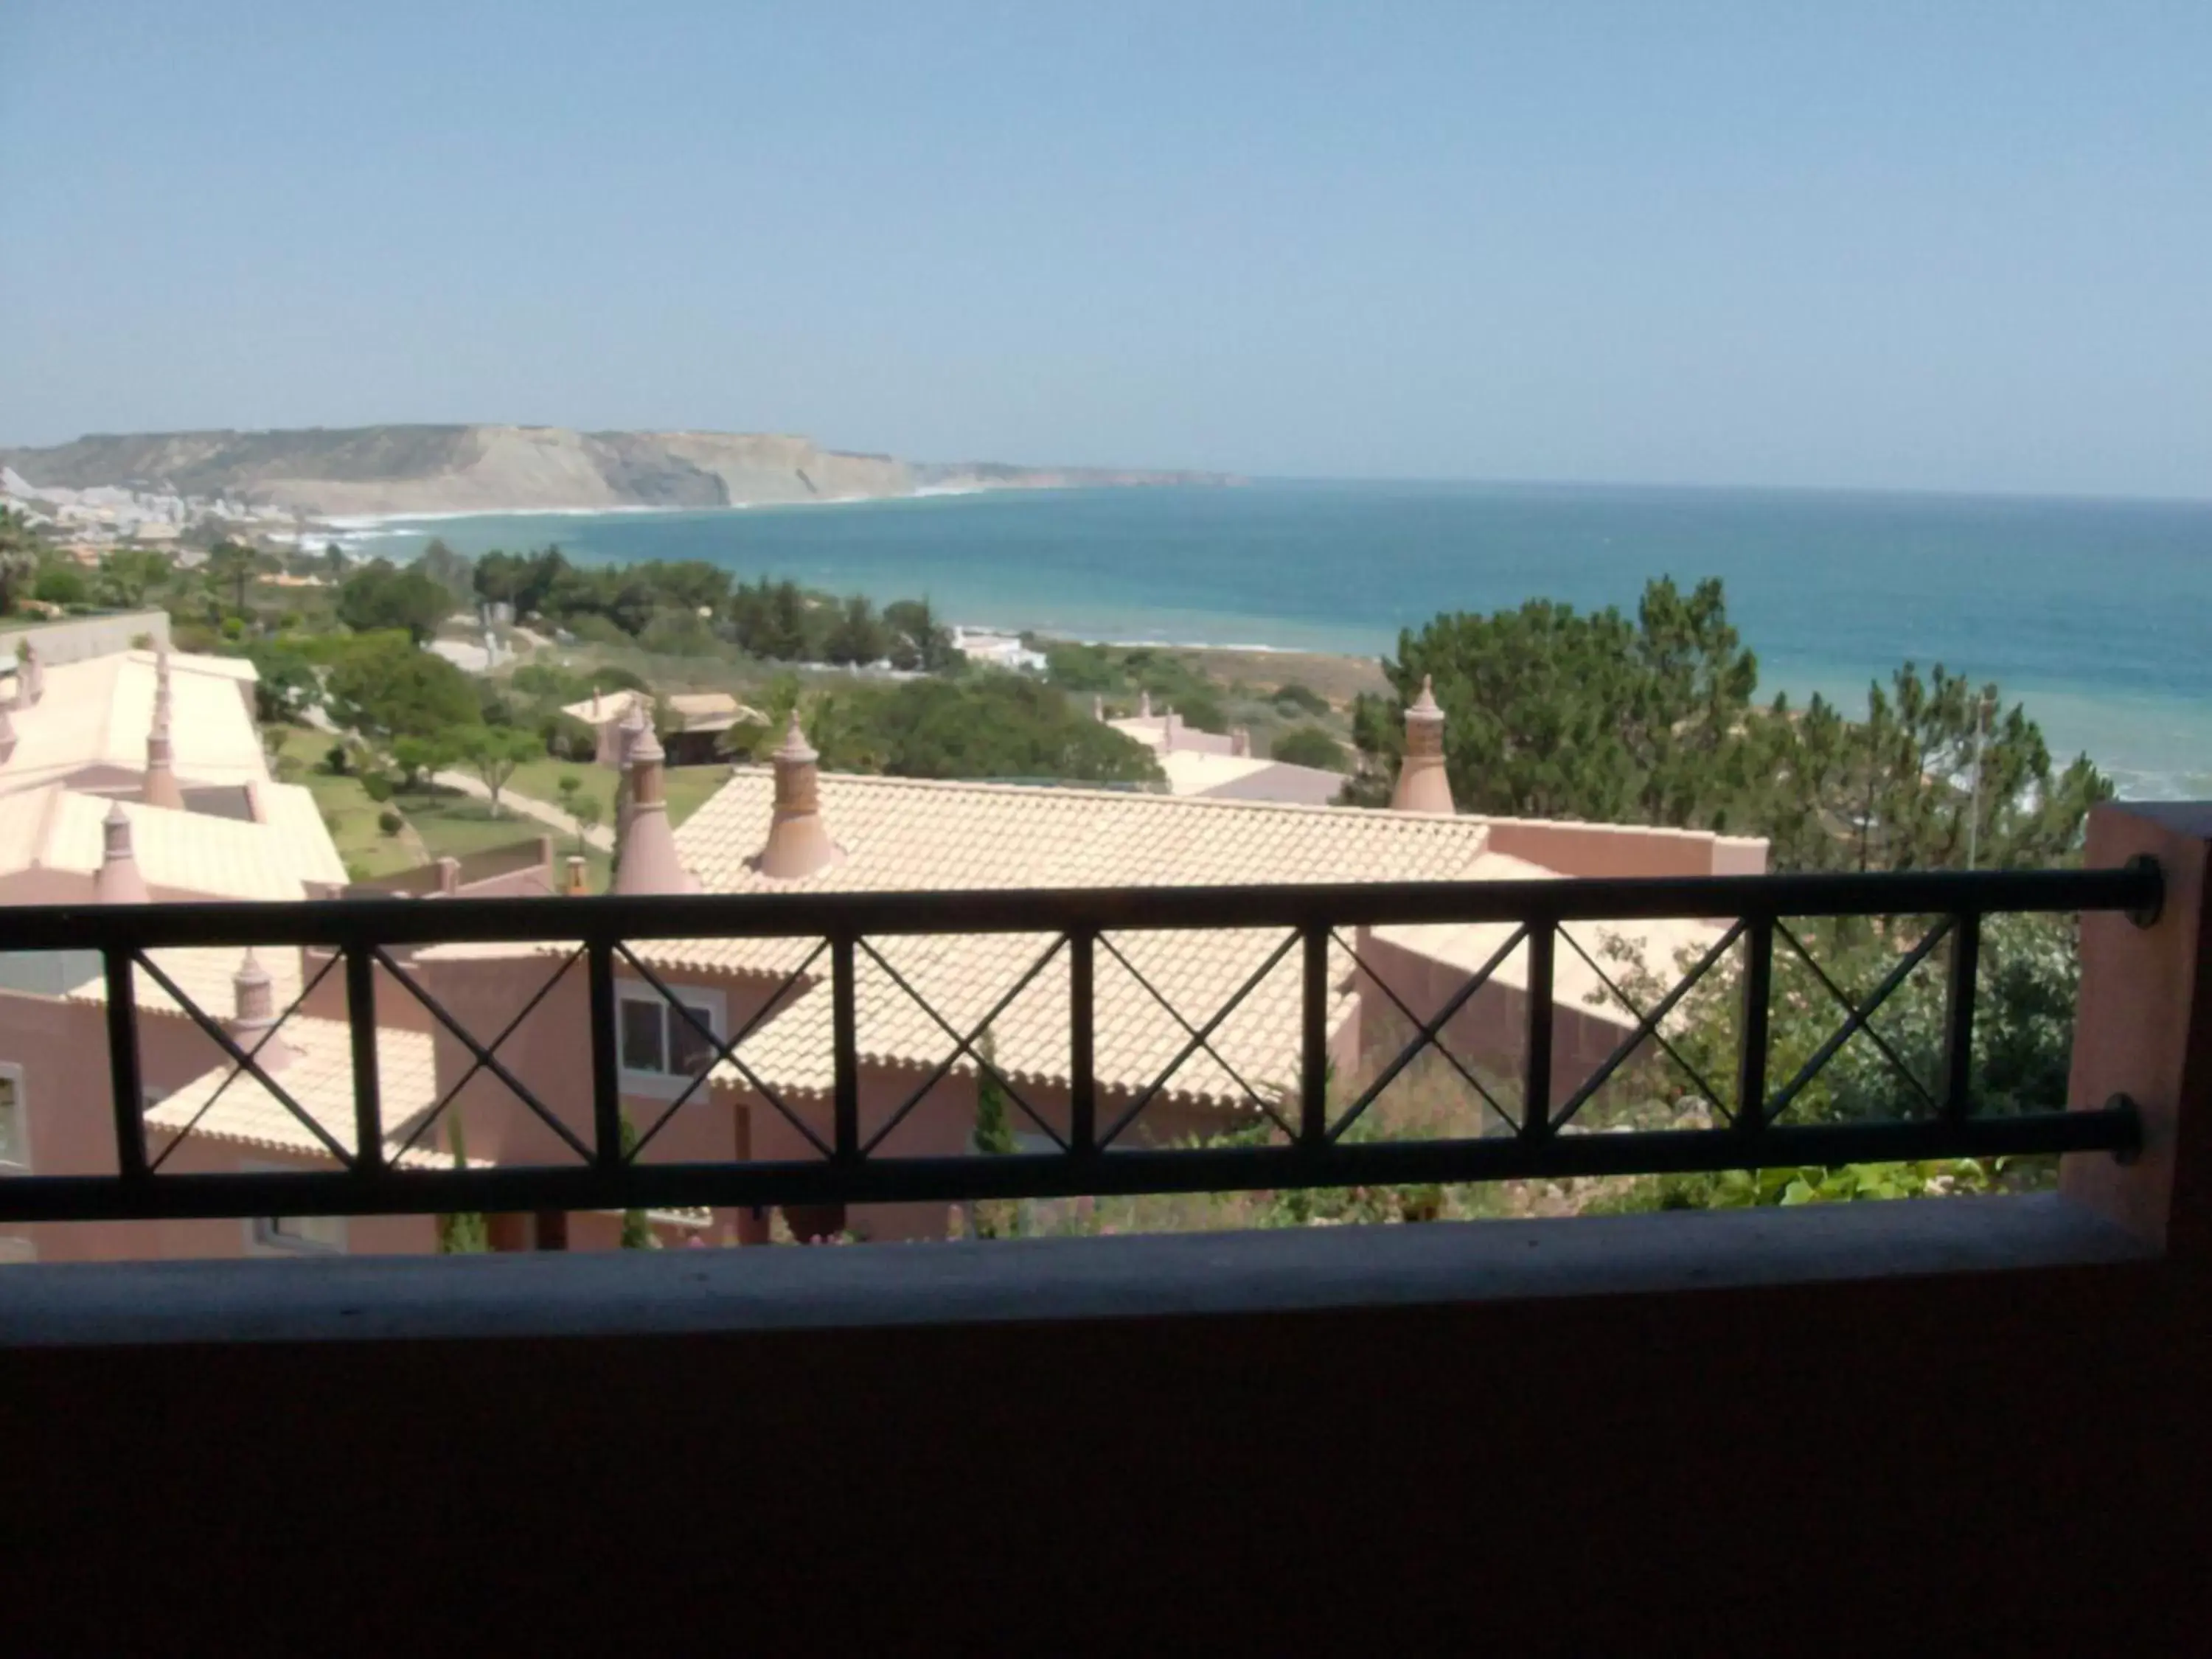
(464, 1232)
(994, 1138)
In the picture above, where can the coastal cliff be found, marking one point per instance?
(460, 469)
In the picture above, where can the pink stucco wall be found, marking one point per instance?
(550, 1052)
(1617, 849)
(1491, 1029)
(62, 1047)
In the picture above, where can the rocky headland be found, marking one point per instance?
(363, 471)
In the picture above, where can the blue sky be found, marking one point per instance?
(1926, 246)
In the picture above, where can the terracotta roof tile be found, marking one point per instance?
(902, 835)
(228, 1103)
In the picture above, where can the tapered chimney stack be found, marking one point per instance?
(649, 864)
(118, 881)
(254, 1024)
(160, 787)
(1422, 784)
(799, 841)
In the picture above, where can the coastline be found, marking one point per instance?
(341, 525)
(1833, 593)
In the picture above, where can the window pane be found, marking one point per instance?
(303, 1232)
(641, 1048)
(11, 1125)
(688, 1052)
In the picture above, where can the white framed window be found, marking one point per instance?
(292, 1235)
(660, 1051)
(15, 1122)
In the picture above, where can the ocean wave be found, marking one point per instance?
(364, 521)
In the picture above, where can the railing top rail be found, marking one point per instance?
(755, 915)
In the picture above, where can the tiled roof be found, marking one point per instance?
(229, 1103)
(55, 828)
(899, 834)
(713, 711)
(695, 711)
(1244, 777)
(289, 810)
(904, 836)
(204, 974)
(97, 713)
(612, 706)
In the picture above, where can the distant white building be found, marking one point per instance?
(999, 650)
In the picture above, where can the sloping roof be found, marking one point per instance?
(713, 711)
(1152, 730)
(1247, 777)
(228, 1103)
(55, 828)
(204, 974)
(612, 706)
(695, 711)
(289, 810)
(239, 670)
(97, 713)
(905, 836)
(899, 834)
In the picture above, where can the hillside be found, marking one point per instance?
(453, 469)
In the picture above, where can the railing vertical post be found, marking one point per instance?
(1959, 1016)
(360, 1028)
(1757, 996)
(606, 1077)
(845, 1049)
(1536, 1091)
(123, 1066)
(1082, 1031)
(1313, 1026)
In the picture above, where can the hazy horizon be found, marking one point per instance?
(1696, 246)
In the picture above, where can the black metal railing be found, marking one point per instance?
(363, 935)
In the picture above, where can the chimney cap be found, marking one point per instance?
(794, 746)
(117, 881)
(1423, 707)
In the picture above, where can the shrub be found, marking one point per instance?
(1303, 698)
(378, 785)
(390, 822)
(566, 737)
(1309, 745)
(60, 585)
(1200, 711)
(337, 760)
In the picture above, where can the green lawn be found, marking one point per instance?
(454, 825)
(363, 847)
(448, 824)
(688, 787)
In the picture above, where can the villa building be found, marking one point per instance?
(700, 723)
(1218, 765)
(139, 777)
(739, 1064)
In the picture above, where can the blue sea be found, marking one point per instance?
(2098, 614)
